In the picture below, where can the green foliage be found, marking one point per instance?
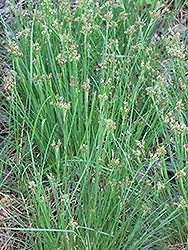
(98, 106)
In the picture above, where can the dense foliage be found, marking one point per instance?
(97, 104)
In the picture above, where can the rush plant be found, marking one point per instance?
(98, 106)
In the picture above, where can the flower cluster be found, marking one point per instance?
(137, 152)
(83, 148)
(103, 97)
(178, 127)
(56, 145)
(131, 30)
(73, 224)
(74, 82)
(174, 47)
(160, 185)
(61, 104)
(32, 185)
(182, 203)
(5, 201)
(9, 83)
(87, 20)
(71, 52)
(180, 174)
(110, 125)
(160, 152)
(124, 110)
(124, 182)
(140, 144)
(113, 183)
(14, 49)
(26, 32)
(86, 86)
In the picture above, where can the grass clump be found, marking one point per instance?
(98, 110)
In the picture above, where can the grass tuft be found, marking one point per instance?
(96, 152)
